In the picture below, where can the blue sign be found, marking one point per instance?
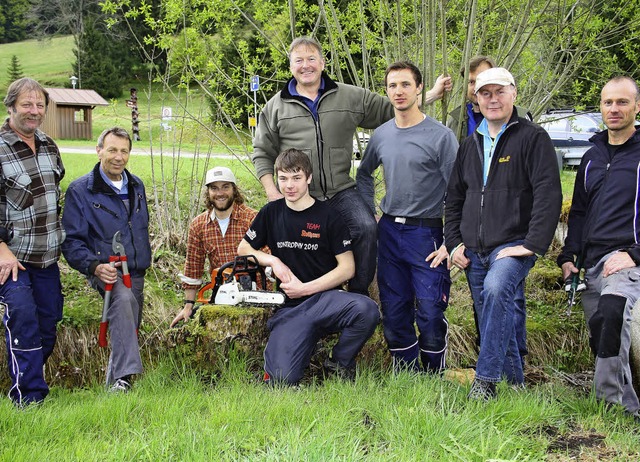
(255, 83)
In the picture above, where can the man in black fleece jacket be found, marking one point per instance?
(502, 209)
(604, 238)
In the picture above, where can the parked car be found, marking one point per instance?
(360, 142)
(570, 132)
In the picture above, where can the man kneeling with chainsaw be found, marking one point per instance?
(214, 234)
(107, 224)
(311, 258)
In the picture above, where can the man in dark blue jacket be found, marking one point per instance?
(604, 235)
(502, 209)
(99, 204)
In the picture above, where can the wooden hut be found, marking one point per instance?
(69, 113)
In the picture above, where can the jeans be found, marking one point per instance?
(521, 323)
(364, 236)
(411, 291)
(494, 286)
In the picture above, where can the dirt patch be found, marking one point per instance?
(578, 445)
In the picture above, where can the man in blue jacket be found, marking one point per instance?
(604, 238)
(502, 209)
(99, 204)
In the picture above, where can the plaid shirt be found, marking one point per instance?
(206, 241)
(29, 197)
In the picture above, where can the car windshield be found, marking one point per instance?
(590, 122)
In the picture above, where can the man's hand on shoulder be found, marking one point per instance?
(270, 188)
(9, 264)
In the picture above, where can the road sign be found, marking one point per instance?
(167, 113)
(255, 83)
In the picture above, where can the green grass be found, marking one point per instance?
(173, 414)
(48, 61)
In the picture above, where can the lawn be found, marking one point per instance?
(174, 413)
(48, 61)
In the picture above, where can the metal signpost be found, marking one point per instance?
(255, 86)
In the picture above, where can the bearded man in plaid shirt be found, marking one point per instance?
(214, 234)
(30, 237)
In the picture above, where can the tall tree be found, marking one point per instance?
(14, 20)
(15, 71)
(96, 61)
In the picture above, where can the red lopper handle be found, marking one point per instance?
(102, 338)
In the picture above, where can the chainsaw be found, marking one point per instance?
(239, 286)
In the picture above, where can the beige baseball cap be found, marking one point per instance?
(219, 174)
(496, 76)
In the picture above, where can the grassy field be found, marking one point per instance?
(175, 414)
(48, 61)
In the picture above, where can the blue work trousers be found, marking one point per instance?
(411, 291)
(32, 308)
(295, 331)
(495, 285)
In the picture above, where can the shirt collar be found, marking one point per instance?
(125, 181)
(294, 92)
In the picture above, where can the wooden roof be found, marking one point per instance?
(74, 97)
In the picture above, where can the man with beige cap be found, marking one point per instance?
(503, 204)
(214, 234)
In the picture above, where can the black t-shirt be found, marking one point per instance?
(306, 241)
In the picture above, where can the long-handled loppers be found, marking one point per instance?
(119, 255)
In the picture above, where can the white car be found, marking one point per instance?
(570, 132)
(360, 142)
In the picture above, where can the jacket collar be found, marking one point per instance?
(329, 85)
(602, 138)
(98, 185)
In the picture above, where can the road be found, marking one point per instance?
(139, 151)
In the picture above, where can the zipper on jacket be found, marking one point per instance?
(96, 205)
(494, 146)
(320, 146)
(480, 220)
(596, 210)
(137, 208)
